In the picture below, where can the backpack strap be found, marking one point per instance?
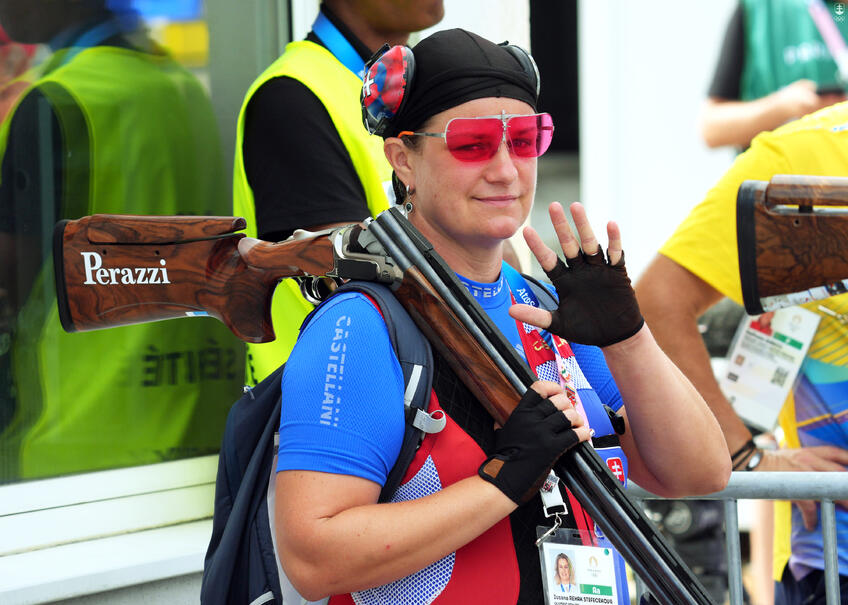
(547, 299)
(416, 361)
(242, 471)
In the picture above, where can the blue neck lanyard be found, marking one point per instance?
(337, 44)
(523, 293)
(519, 287)
(95, 35)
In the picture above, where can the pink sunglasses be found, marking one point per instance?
(478, 139)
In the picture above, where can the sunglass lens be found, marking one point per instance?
(474, 139)
(530, 136)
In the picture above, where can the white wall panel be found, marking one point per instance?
(644, 71)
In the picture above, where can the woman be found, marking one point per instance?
(462, 529)
(564, 580)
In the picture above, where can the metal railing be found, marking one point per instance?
(824, 487)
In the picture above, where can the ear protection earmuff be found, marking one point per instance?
(389, 75)
(525, 60)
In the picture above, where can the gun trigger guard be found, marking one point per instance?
(616, 420)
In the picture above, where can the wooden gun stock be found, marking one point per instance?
(791, 235)
(114, 270)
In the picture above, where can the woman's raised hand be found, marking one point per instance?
(597, 305)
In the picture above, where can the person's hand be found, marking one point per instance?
(543, 425)
(831, 98)
(597, 305)
(800, 98)
(817, 458)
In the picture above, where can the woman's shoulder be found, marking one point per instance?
(347, 329)
(348, 319)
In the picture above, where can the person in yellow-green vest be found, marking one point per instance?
(109, 123)
(303, 159)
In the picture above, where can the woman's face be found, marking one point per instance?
(471, 203)
(564, 571)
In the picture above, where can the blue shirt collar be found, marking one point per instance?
(487, 294)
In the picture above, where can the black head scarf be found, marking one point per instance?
(455, 66)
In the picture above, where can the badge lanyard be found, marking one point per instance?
(337, 44)
(559, 369)
(596, 569)
(117, 24)
(550, 359)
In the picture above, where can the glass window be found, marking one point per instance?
(105, 109)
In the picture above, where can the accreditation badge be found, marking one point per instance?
(573, 571)
(763, 363)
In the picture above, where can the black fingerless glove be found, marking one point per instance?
(597, 305)
(531, 440)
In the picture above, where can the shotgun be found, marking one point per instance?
(791, 233)
(211, 270)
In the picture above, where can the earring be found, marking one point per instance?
(407, 205)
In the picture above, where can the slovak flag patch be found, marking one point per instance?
(385, 83)
(615, 465)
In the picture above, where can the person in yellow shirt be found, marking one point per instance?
(694, 269)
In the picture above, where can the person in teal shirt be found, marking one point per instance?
(773, 67)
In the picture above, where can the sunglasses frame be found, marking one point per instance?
(503, 117)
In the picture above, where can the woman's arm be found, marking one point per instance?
(656, 464)
(333, 538)
(673, 442)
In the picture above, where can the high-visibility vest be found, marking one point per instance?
(338, 89)
(137, 394)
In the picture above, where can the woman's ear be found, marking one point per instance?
(400, 157)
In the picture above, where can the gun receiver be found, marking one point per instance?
(791, 235)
